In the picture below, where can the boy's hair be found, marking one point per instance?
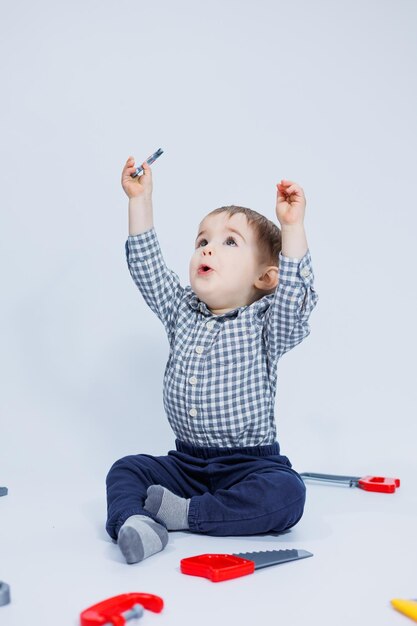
(268, 235)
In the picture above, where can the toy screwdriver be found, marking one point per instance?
(149, 161)
(219, 567)
(368, 483)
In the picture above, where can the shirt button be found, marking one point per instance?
(210, 325)
(199, 349)
(193, 412)
(192, 380)
(305, 272)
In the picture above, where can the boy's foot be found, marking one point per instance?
(172, 510)
(140, 537)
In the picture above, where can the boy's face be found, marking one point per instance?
(227, 245)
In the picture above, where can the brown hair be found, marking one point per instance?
(268, 235)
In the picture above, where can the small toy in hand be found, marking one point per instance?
(150, 160)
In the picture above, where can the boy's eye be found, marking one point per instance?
(228, 239)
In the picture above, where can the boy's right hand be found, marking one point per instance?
(140, 185)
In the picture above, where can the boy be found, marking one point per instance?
(250, 296)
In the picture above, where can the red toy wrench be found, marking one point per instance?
(117, 610)
(368, 483)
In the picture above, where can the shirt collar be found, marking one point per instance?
(198, 305)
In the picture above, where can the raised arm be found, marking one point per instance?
(286, 321)
(159, 286)
(290, 210)
(139, 192)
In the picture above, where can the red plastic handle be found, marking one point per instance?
(111, 610)
(379, 483)
(217, 567)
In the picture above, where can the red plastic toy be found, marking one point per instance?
(368, 483)
(217, 567)
(115, 611)
(379, 483)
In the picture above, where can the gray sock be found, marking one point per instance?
(172, 510)
(139, 537)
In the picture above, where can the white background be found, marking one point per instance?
(238, 95)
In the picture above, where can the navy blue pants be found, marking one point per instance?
(233, 491)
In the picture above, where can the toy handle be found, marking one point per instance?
(379, 483)
(217, 567)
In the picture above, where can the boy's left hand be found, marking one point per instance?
(291, 203)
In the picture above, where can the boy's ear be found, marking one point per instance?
(268, 279)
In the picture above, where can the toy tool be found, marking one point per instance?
(4, 594)
(368, 483)
(118, 610)
(150, 160)
(3, 491)
(218, 567)
(407, 607)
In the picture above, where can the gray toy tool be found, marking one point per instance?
(4, 594)
(3, 491)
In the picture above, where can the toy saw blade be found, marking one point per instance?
(273, 557)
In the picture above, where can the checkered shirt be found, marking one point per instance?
(221, 375)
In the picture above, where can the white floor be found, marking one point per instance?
(58, 560)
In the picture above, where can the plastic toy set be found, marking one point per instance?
(116, 611)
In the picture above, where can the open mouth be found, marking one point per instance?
(204, 269)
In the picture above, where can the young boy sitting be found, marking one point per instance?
(249, 300)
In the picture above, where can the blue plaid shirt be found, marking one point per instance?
(221, 375)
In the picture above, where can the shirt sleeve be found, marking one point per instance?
(286, 320)
(159, 286)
